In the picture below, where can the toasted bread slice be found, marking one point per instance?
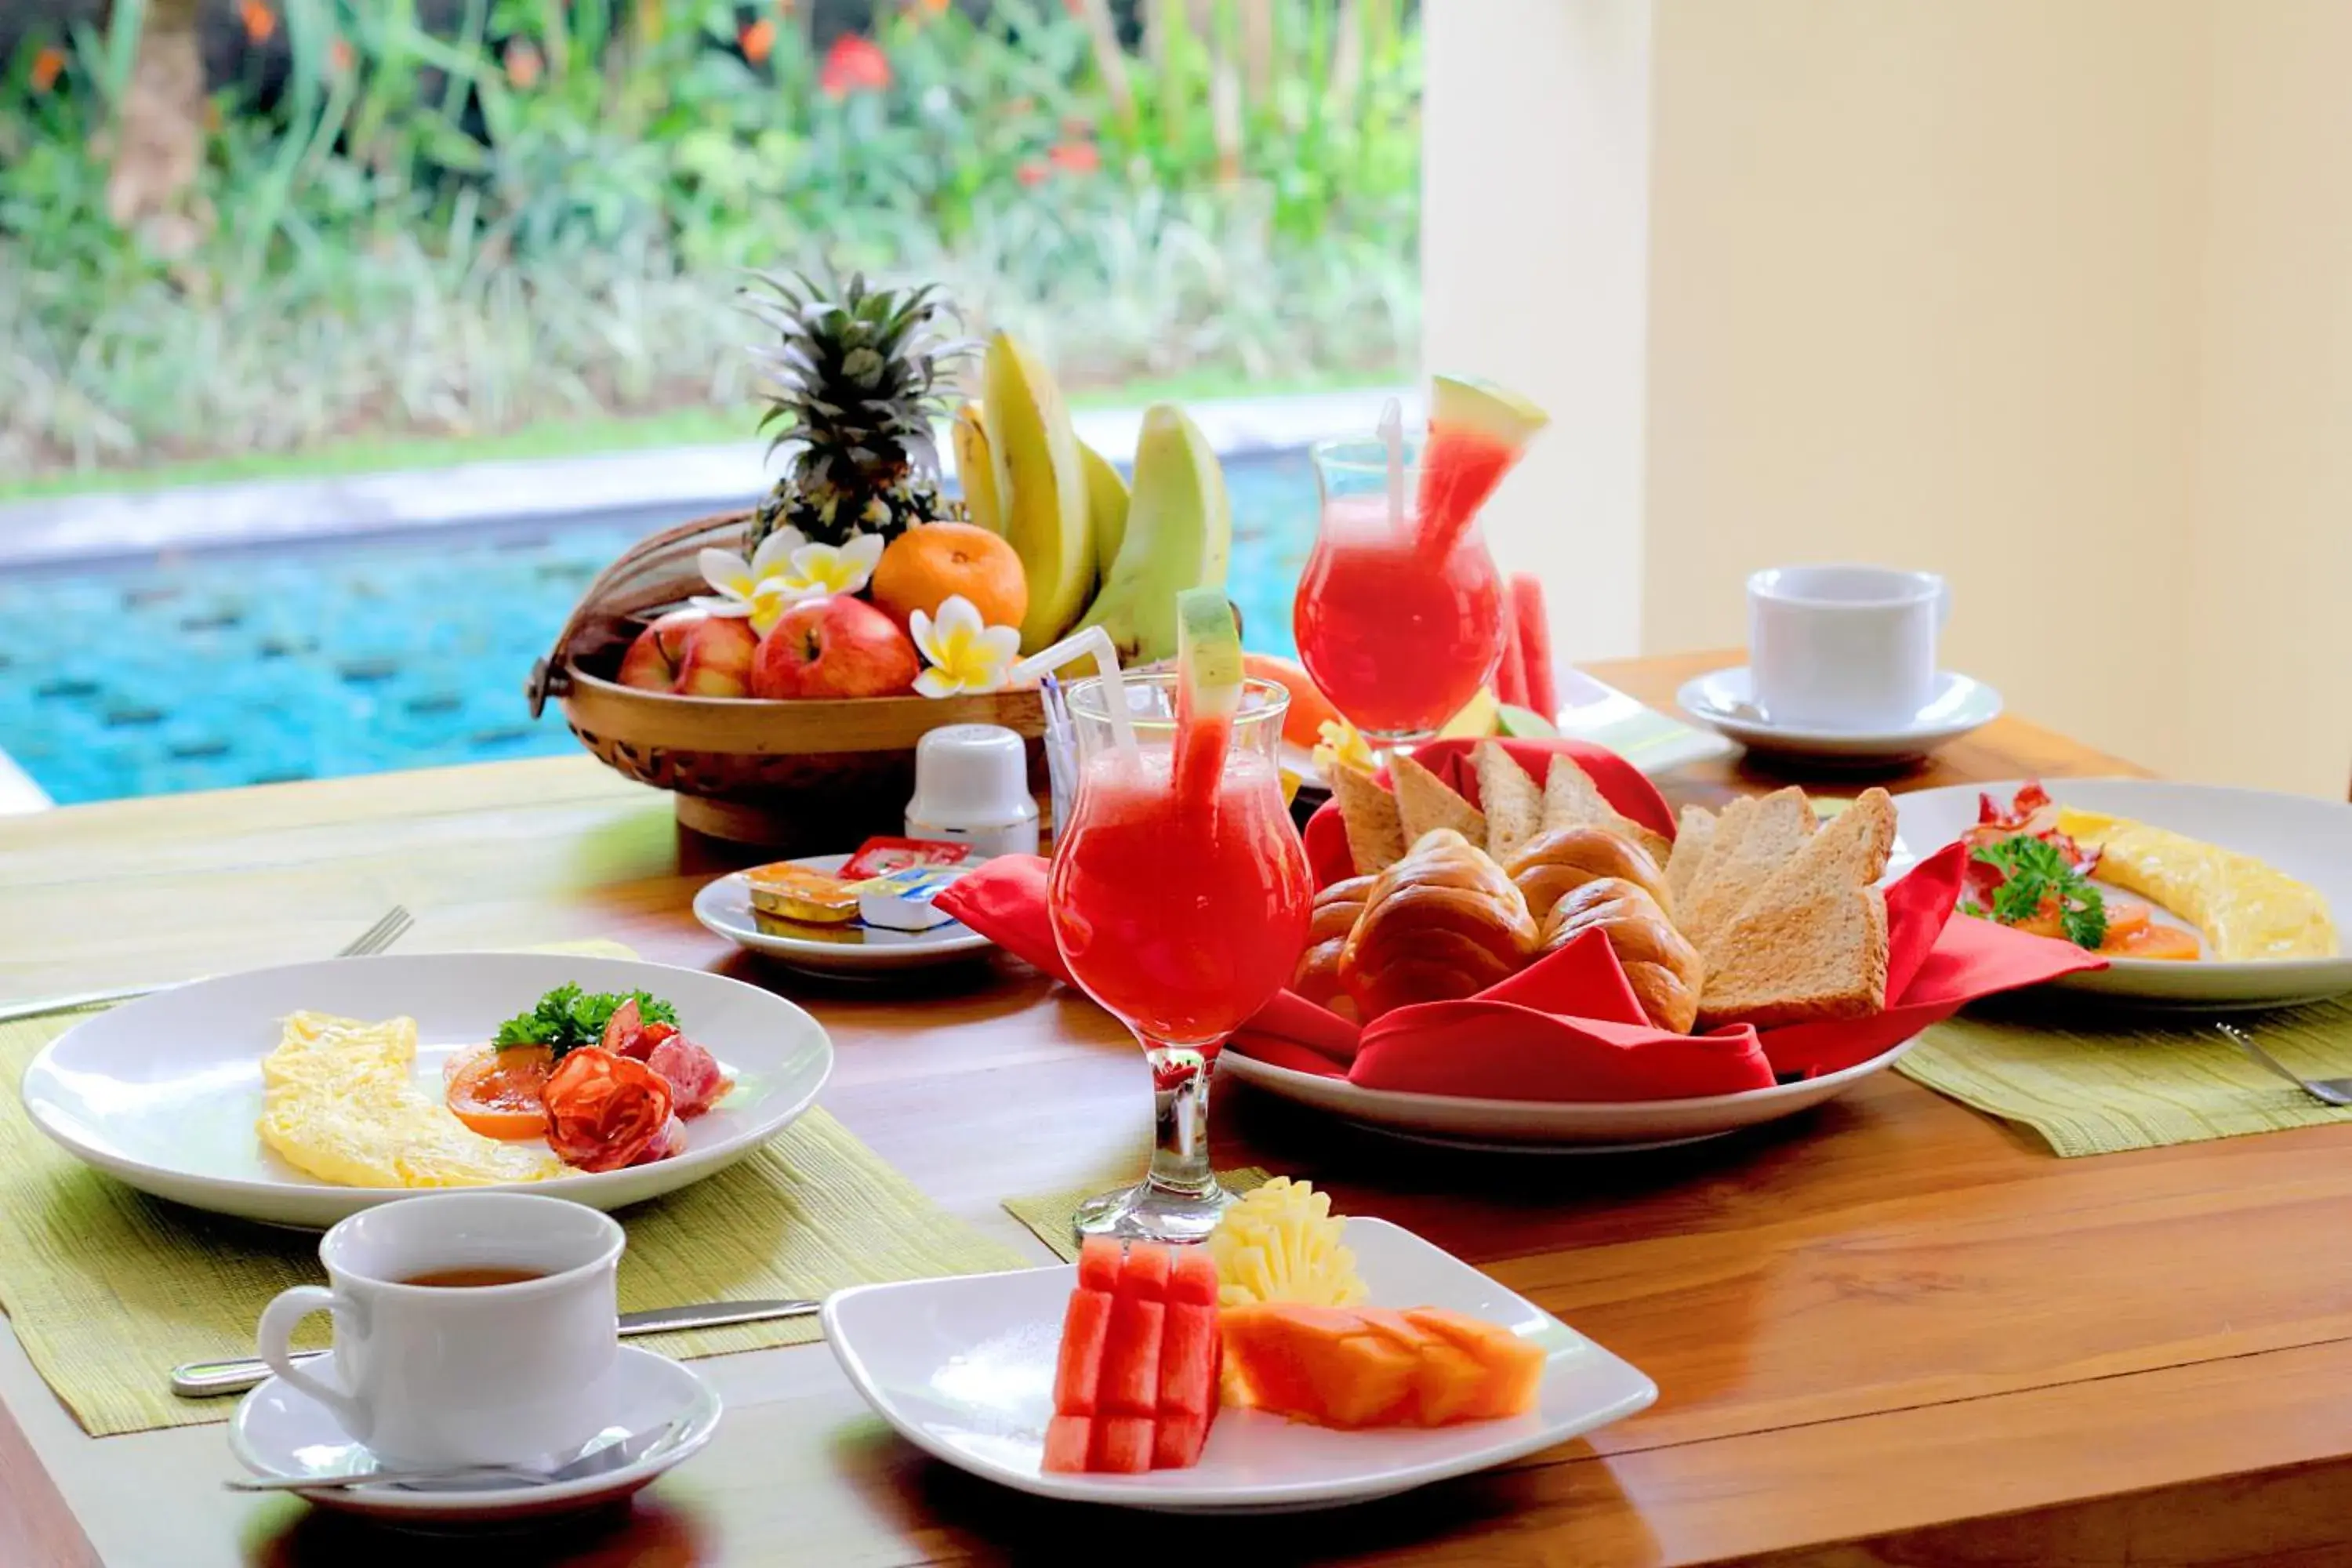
(1691, 843)
(1811, 944)
(1749, 847)
(1375, 831)
(1426, 804)
(1513, 805)
(1573, 800)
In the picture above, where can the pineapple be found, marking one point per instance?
(853, 385)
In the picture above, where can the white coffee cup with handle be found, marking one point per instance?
(1844, 648)
(470, 1328)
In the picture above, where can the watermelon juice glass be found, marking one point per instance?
(1183, 917)
(1398, 641)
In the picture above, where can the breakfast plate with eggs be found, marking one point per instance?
(298, 1095)
(2196, 894)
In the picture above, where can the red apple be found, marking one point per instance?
(835, 646)
(693, 654)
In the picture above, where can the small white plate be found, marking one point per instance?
(279, 1431)
(164, 1091)
(1550, 1127)
(2310, 840)
(1725, 699)
(964, 1369)
(724, 907)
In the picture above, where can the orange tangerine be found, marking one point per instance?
(930, 562)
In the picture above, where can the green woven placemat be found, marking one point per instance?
(1050, 1215)
(108, 1290)
(2098, 1086)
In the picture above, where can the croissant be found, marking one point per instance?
(1443, 922)
(1336, 909)
(1659, 961)
(1553, 865)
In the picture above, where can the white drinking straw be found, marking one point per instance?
(1392, 437)
(1096, 641)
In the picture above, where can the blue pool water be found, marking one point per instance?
(237, 666)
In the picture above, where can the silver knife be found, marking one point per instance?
(203, 1379)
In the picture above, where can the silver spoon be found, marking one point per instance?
(599, 1456)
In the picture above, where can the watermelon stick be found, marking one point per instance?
(1097, 641)
(1208, 694)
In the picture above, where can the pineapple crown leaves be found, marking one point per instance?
(856, 375)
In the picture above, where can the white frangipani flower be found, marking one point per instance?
(965, 656)
(785, 569)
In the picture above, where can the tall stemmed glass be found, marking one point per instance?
(1400, 639)
(1182, 913)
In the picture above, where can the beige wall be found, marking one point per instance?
(2050, 297)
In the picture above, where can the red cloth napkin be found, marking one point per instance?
(1567, 1027)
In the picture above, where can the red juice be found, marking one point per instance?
(1398, 643)
(1181, 916)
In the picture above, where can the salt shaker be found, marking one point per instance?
(972, 786)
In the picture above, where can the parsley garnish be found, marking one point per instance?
(2036, 871)
(568, 1018)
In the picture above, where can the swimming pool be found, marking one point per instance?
(230, 667)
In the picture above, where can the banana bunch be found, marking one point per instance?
(1095, 554)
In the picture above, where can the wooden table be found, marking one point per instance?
(1889, 1331)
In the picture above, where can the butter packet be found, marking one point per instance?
(796, 893)
(903, 900)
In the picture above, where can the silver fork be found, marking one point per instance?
(375, 939)
(2327, 1091)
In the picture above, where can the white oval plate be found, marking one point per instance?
(964, 1369)
(1550, 1127)
(1724, 701)
(2310, 840)
(281, 1431)
(164, 1091)
(724, 908)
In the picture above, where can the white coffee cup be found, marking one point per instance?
(484, 1374)
(1843, 647)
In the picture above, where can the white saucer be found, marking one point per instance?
(964, 1368)
(724, 907)
(281, 1431)
(1724, 700)
(1546, 1126)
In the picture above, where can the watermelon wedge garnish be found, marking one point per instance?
(1477, 433)
(1207, 692)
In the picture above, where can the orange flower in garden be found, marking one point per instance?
(260, 21)
(853, 64)
(759, 39)
(935, 7)
(1075, 157)
(340, 59)
(1031, 172)
(523, 65)
(48, 66)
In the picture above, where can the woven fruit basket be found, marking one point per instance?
(808, 777)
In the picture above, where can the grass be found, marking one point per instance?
(573, 438)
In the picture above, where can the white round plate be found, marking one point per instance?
(2310, 840)
(964, 1369)
(724, 907)
(1725, 699)
(279, 1431)
(164, 1091)
(1550, 1127)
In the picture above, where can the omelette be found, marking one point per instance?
(340, 1101)
(2246, 907)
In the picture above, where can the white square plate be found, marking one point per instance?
(964, 1369)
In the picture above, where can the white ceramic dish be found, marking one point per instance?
(964, 1369)
(279, 1431)
(164, 1091)
(1549, 1127)
(724, 907)
(2308, 839)
(1724, 699)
